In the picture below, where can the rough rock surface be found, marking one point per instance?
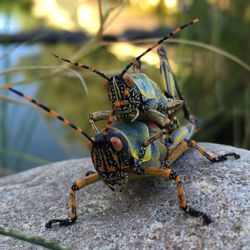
(145, 215)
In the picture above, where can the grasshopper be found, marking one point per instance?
(136, 95)
(123, 148)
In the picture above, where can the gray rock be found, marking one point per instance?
(146, 215)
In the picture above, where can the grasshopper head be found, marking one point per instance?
(125, 96)
(110, 155)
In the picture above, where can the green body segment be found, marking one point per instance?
(150, 91)
(135, 133)
(157, 153)
(180, 134)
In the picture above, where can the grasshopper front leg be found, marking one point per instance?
(79, 184)
(98, 116)
(156, 117)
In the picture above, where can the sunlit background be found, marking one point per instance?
(210, 61)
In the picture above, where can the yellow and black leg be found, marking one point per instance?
(209, 156)
(170, 174)
(79, 184)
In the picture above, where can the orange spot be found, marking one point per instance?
(126, 92)
(177, 30)
(72, 203)
(66, 122)
(27, 97)
(101, 169)
(53, 113)
(133, 61)
(120, 103)
(154, 45)
(178, 179)
(6, 87)
(79, 130)
(110, 119)
(111, 169)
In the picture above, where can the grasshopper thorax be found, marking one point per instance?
(111, 156)
(124, 97)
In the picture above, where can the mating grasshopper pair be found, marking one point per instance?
(130, 146)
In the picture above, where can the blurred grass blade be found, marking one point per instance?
(9, 99)
(34, 240)
(79, 76)
(197, 44)
(214, 49)
(23, 156)
(12, 49)
(56, 70)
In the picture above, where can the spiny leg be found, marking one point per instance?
(98, 116)
(179, 150)
(209, 156)
(170, 174)
(167, 76)
(171, 86)
(79, 184)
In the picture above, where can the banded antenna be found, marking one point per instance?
(82, 66)
(171, 34)
(50, 111)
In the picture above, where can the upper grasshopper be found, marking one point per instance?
(136, 95)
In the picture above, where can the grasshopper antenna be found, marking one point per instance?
(171, 34)
(50, 111)
(82, 66)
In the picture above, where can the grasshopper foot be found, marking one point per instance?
(62, 223)
(224, 157)
(90, 172)
(206, 219)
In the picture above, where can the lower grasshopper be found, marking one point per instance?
(124, 148)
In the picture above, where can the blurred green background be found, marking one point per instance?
(210, 61)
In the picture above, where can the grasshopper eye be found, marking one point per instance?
(116, 143)
(129, 81)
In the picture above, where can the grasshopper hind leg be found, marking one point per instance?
(180, 141)
(170, 174)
